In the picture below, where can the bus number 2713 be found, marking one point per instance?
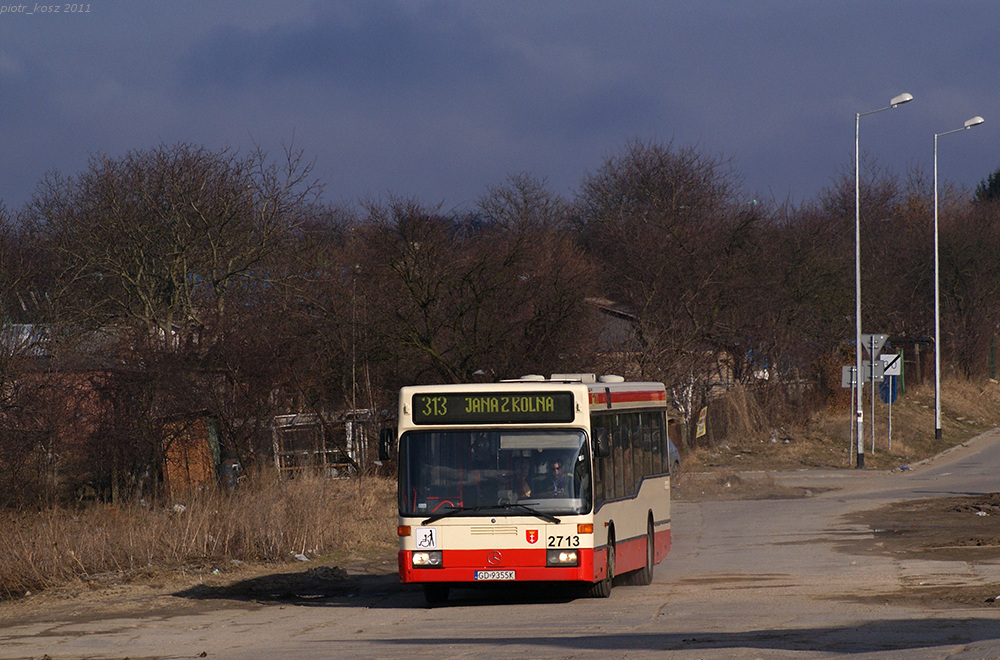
(564, 541)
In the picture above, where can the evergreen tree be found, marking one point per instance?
(989, 189)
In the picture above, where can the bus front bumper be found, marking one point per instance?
(503, 565)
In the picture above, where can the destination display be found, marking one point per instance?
(493, 408)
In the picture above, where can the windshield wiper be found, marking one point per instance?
(450, 512)
(547, 517)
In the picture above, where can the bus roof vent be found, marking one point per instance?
(575, 378)
(532, 377)
(610, 378)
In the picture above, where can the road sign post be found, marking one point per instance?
(849, 378)
(892, 369)
(887, 392)
(873, 344)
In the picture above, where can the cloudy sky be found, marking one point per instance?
(440, 99)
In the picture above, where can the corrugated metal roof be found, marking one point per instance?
(25, 339)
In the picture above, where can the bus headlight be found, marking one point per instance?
(561, 558)
(427, 559)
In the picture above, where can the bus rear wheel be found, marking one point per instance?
(602, 589)
(644, 575)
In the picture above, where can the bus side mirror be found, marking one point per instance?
(386, 441)
(602, 443)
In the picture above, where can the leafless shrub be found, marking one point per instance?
(736, 415)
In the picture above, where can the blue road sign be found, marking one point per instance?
(887, 389)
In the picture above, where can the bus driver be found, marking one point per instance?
(555, 483)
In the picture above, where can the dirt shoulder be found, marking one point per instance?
(950, 529)
(946, 529)
(963, 529)
(177, 593)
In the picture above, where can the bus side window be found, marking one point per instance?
(602, 443)
(618, 455)
(581, 475)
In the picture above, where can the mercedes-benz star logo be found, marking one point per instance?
(494, 557)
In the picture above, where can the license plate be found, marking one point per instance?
(494, 575)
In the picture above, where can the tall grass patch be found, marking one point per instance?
(266, 520)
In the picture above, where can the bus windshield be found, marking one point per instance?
(479, 472)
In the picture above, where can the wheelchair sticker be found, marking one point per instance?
(426, 538)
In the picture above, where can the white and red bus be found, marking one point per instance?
(561, 479)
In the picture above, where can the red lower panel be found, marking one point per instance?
(661, 543)
(630, 555)
(528, 565)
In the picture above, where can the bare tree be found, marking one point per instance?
(170, 252)
(970, 283)
(671, 238)
(495, 292)
(156, 238)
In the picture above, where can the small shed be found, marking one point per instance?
(190, 454)
(334, 444)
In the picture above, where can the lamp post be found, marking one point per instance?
(859, 401)
(975, 121)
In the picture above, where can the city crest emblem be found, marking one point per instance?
(531, 535)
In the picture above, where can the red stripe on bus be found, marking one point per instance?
(628, 397)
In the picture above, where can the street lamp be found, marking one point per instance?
(858, 412)
(975, 121)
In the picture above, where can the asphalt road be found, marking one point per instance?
(745, 579)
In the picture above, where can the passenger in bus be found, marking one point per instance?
(521, 484)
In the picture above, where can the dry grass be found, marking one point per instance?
(264, 521)
(968, 409)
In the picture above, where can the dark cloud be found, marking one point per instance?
(380, 48)
(441, 98)
(606, 111)
(25, 90)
